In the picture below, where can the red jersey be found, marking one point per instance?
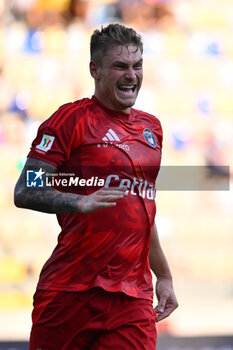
(110, 247)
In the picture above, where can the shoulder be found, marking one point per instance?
(150, 124)
(84, 104)
(147, 116)
(76, 107)
(68, 113)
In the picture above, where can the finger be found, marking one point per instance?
(105, 205)
(161, 305)
(121, 189)
(110, 197)
(115, 191)
(164, 314)
(105, 190)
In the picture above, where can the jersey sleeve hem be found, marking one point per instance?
(41, 158)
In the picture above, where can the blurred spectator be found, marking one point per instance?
(77, 10)
(5, 91)
(13, 129)
(20, 8)
(34, 18)
(3, 11)
(147, 14)
(215, 159)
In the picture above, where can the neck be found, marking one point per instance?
(108, 105)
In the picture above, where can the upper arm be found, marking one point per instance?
(59, 135)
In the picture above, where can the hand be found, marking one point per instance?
(167, 301)
(103, 198)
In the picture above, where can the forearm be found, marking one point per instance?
(158, 261)
(167, 301)
(47, 200)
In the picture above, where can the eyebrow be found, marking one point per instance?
(126, 64)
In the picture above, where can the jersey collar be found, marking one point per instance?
(111, 112)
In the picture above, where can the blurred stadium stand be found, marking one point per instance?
(188, 84)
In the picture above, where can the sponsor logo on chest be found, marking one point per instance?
(111, 139)
(135, 186)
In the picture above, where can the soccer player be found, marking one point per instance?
(95, 291)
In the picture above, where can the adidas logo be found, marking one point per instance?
(108, 139)
(110, 136)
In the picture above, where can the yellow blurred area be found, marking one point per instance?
(13, 300)
(188, 85)
(55, 41)
(52, 5)
(12, 271)
(210, 15)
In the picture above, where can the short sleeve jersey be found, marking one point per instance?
(108, 248)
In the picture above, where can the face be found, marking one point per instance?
(119, 79)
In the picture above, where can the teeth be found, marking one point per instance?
(126, 87)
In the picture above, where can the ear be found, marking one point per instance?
(94, 70)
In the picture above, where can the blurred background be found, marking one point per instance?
(188, 85)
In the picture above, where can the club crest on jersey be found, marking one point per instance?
(149, 137)
(46, 143)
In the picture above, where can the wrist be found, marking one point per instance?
(80, 204)
(165, 277)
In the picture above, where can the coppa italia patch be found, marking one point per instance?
(46, 143)
(149, 137)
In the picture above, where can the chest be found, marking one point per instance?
(131, 149)
(131, 143)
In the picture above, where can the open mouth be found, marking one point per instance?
(128, 88)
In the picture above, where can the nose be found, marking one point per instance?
(130, 74)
